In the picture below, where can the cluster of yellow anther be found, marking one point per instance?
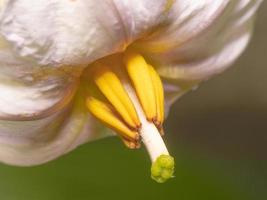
(111, 86)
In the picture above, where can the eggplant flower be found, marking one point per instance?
(77, 70)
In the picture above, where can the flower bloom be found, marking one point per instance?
(68, 67)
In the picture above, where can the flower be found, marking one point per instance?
(60, 61)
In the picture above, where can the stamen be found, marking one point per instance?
(104, 113)
(139, 73)
(109, 84)
(131, 144)
(158, 92)
(129, 99)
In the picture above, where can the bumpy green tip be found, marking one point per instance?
(162, 169)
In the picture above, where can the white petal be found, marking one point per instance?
(75, 32)
(202, 38)
(28, 90)
(45, 45)
(27, 143)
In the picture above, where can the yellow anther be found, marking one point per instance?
(128, 97)
(139, 73)
(110, 91)
(110, 85)
(159, 95)
(104, 113)
(131, 144)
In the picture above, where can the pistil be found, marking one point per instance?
(162, 167)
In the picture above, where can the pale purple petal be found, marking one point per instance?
(202, 38)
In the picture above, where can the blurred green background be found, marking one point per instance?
(217, 135)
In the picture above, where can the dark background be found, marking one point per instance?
(217, 134)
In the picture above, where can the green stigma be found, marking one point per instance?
(163, 168)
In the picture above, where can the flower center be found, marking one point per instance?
(126, 94)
